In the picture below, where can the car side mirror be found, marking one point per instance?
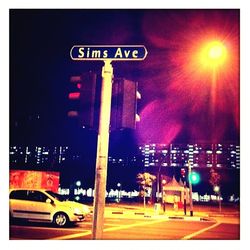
(49, 201)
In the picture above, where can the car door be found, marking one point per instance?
(40, 209)
(19, 204)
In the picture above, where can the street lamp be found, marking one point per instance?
(163, 195)
(190, 190)
(78, 183)
(213, 54)
(213, 59)
(119, 191)
(217, 190)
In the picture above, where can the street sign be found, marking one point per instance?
(108, 52)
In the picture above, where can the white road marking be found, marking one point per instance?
(72, 236)
(189, 236)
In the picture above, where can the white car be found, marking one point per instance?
(46, 206)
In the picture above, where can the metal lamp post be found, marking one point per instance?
(190, 189)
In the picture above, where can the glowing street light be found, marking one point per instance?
(216, 51)
(119, 192)
(214, 66)
(216, 189)
(78, 183)
(213, 54)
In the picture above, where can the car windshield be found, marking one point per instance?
(59, 197)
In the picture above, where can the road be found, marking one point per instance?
(137, 228)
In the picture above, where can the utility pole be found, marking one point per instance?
(158, 183)
(185, 198)
(102, 151)
(190, 189)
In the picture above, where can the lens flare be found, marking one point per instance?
(196, 64)
(158, 124)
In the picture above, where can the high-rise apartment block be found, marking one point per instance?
(38, 155)
(203, 155)
(197, 155)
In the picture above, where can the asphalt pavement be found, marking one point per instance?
(133, 221)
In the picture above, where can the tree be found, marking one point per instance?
(145, 181)
(215, 178)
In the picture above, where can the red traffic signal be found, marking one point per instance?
(183, 172)
(82, 99)
(163, 182)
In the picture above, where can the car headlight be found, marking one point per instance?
(77, 211)
(86, 210)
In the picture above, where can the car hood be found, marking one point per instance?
(74, 205)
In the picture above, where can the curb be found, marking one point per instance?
(172, 216)
(155, 216)
(224, 215)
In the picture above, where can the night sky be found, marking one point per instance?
(182, 100)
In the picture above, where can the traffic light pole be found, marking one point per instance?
(102, 151)
(185, 198)
(190, 189)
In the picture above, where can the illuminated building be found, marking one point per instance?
(155, 154)
(37, 155)
(198, 155)
(202, 155)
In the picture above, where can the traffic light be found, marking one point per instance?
(194, 178)
(183, 172)
(82, 99)
(124, 104)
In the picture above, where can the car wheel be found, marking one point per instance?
(61, 219)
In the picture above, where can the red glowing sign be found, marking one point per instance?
(34, 179)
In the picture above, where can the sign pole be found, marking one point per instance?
(102, 151)
(106, 53)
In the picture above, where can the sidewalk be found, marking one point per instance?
(135, 212)
(200, 213)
